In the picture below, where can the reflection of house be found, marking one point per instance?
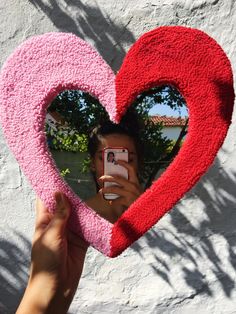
(53, 118)
(171, 125)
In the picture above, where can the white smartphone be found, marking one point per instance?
(110, 167)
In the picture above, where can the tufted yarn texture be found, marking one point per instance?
(45, 65)
(31, 78)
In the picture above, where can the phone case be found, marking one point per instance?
(110, 155)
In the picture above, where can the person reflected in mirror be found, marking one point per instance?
(108, 134)
(57, 260)
(111, 157)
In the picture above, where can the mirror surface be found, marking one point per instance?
(148, 137)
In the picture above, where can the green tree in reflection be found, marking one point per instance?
(82, 112)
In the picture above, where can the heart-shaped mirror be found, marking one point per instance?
(86, 145)
(46, 65)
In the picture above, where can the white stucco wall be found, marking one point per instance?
(171, 133)
(187, 262)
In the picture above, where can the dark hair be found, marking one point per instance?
(129, 125)
(109, 154)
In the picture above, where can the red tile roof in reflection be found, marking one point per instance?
(168, 121)
(59, 118)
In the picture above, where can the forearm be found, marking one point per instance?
(40, 297)
(56, 262)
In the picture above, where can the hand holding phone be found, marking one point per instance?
(110, 166)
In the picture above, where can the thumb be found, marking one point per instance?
(61, 215)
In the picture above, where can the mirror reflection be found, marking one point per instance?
(110, 165)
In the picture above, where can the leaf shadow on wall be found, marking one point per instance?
(185, 244)
(14, 261)
(90, 23)
(192, 245)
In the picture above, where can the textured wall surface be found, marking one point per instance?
(187, 262)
